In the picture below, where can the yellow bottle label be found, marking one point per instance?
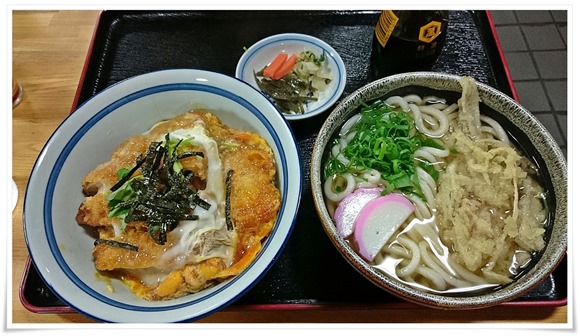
(384, 28)
(430, 31)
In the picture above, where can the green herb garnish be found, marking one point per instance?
(384, 140)
(161, 194)
(309, 56)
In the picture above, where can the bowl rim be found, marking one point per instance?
(557, 169)
(37, 220)
(332, 54)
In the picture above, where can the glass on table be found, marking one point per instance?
(14, 195)
(17, 92)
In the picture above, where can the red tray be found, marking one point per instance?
(129, 43)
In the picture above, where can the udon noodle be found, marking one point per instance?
(479, 211)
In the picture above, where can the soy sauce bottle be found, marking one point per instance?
(408, 40)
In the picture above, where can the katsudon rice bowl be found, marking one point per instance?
(163, 198)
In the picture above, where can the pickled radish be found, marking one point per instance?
(378, 220)
(348, 209)
(285, 68)
(271, 69)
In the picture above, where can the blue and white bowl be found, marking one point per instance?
(61, 249)
(264, 51)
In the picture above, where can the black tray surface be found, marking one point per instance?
(310, 271)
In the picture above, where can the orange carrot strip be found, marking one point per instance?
(271, 69)
(286, 68)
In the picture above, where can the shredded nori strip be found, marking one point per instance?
(164, 196)
(189, 154)
(115, 243)
(203, 204)
(128, 176)
(229, 224)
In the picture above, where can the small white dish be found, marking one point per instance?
(264, 51)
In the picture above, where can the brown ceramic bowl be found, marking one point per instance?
(532, 137)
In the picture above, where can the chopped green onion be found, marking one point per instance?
(384, 140)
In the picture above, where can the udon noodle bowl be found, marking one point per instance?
(435, 193)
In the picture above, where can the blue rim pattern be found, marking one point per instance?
(329, 52)
(55, 172)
